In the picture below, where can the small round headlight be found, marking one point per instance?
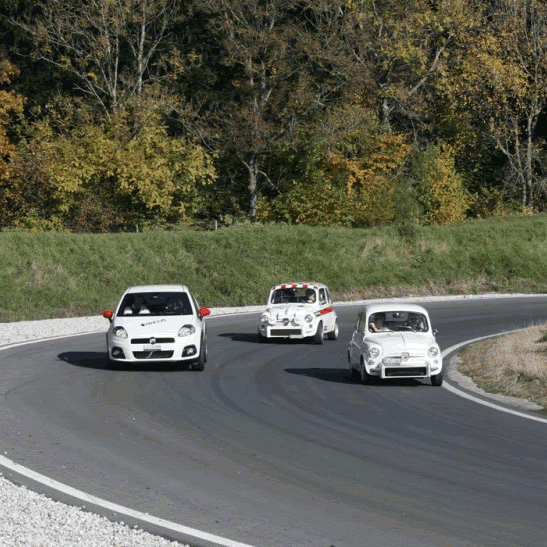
(308, 318)
(187, 330)
(375, 352)
(433, 351)
(265, 318)
(120, 332)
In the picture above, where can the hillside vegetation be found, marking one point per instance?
(173, 112)
(58, 274)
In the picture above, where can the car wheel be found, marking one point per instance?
(262, 338)
(366, 378)
(352, 371)
(437, 379)
(333, 334)
(318, 337)
(199, 363)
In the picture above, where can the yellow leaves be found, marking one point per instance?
(442, 193)
(10, 103)
(152, 170)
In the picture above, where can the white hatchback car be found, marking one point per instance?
(157, 323)
(299, 310)
(395, 341)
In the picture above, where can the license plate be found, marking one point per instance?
(392, 361)
(152, 347)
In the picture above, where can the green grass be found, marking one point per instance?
(45, 275)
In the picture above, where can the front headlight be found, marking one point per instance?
(308, 318)
(187, 330)
(120, 332)
(265, 318)
(375, 351)
(433, 351)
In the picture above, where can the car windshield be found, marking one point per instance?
(395, 321)
(156, 303)
(291, 295)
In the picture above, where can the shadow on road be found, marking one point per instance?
(253, 338)
(98, 360)
(343, 376)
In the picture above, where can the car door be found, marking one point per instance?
(330, 318)
(357, 338)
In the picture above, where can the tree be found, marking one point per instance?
(10, 104)
(405, 45)
(500, 75)
(280, 61)
(114, 50)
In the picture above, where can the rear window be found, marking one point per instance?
(156, 303)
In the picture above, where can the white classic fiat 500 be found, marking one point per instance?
(395, 341)
(299, 310)
(157, 323)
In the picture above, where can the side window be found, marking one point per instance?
(361, 322)
(329, 301)
(322, 297)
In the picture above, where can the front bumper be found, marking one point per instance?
(290, 330)
(412, 368)
(165, 349)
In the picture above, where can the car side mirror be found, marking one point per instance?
(108, 314)
(204, 311)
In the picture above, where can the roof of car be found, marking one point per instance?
(393, 306)
(157, 288)
(299, 285)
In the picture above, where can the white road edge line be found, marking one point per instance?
(456, 391)
(120, 509)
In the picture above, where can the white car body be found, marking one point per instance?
(291, 313)
(157, 323)
(404, 346)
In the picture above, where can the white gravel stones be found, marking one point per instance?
(32, 520)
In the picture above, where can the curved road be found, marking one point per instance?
(273, 444)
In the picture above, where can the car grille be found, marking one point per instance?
(157, 340)
(153, 354)
(284, 332)
(413, 372)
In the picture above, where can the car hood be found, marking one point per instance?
(146, 325)
(402, 341)
(280, 311)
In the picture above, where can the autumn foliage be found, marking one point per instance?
(125, 113)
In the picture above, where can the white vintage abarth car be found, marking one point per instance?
(299, 310)
(157, 323)
(395, 341)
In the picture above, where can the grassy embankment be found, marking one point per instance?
(47, 275)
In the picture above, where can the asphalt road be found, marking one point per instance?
(273, 444)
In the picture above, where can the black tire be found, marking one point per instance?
(199, 363)
(351, 370)
(333, 334)
(261, 338)
(318, 336)
(366, 378)
(437, 379)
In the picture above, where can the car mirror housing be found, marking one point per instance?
(108, 314)
(204, 311)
